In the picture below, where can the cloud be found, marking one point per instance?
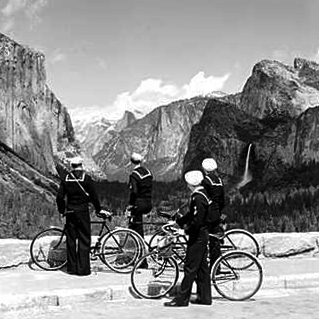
(33, 11)
(19, 10)
(13, 6)
(58, 56)
(152, 93)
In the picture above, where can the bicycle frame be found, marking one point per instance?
(94, 249)
(145, 246)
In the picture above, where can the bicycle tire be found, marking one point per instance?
(158, 279)
(179, 247)
(48, 249)
(120, 250)
(240, 239)
(234, 282)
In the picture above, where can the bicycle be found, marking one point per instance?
(232, 239)
(146, 246)
(236, 275)
(48, 247)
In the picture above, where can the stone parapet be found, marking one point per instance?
(15, 252)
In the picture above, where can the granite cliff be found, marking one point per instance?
(161, 137)
(33, 122)
(36, 137)
(278, 115)
(275, 89)
(276, 112)
(92, 135)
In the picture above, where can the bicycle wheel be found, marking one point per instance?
(178, 248)
(120, 250)
(48, 249)
(234, 281)
(157, 279)
(241, 239)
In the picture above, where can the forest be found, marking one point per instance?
(288, 205)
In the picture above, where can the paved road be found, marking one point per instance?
(272, 304)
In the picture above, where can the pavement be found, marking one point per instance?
(26, 285)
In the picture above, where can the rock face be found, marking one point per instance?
(33, 122)
(288, 244)
(127, 120)
(92, 135)
(281, 126)
(18, 176)
(275, 89)
(161, 137)
(15, 252)
(308, 72)
(219, 134)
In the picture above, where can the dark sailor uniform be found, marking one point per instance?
(196, 266)
(215, 191)
(73, 197)
(140, 185)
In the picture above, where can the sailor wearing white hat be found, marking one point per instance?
(195, 225)
(214, 187)
(194, 178)
(140, 185)
(209, 165)
(73, 197)
(136, 158)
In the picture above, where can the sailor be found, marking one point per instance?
(75, 192)
(214, 187)
(195, 225)
(140, 198)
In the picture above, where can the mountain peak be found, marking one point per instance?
(127, 119)
(308, 72)
(276, 89)
(8, 49)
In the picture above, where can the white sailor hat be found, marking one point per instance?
(77, 160)
(209, 164)
(194, 178)
(135, 157)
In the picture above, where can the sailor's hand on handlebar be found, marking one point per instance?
(177, 231)
(128, 211)
(172, 228)
(180, 231)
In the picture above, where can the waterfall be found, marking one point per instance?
(247, 176)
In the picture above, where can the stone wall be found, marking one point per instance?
(288, 244)
(15, 252)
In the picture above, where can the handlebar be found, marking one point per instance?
(169, 215)
(169, 229)
(170, 237)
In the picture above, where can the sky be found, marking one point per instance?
(107, 56)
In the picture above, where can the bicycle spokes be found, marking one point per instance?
(237, 275)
